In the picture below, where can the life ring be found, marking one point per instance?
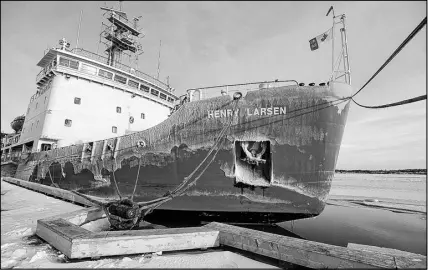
(141, 143)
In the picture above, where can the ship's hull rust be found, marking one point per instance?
(301, 142)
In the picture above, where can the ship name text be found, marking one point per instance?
(248, 112)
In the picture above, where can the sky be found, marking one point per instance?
(213, 43)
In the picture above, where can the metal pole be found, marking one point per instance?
(332, 42)
(78, 31)
(160, 45)
(348, 69)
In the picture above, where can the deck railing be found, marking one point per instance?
(11, 139)
(137, 73)
(200, 93)
(43, 72)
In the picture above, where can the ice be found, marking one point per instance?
(21, 248)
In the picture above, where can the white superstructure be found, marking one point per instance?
(84, 97)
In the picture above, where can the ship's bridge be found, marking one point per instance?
(85, 64)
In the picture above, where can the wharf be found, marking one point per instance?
(64, 232)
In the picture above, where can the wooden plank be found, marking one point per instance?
(403, 259)
(76, 242)
(58, 192)
(302, 252)
(60, 234)
(81, 217)
(144, 241)
(389, 251)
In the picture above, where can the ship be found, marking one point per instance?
(103, 129)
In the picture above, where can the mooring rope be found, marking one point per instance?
(407, 101)
(148, 207)
(182, 187)
(320, 106)
(114, 179)
(136, 179)
(402, 45)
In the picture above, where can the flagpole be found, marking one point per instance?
(332, 49)
(78, 30)
(160, 45)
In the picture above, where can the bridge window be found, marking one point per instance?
(119, 79)
(67, 123)
(162, 96)
(133, 84)
(77, 100)
(74, 64)
(144, 88)
(46, 147)
(118, 109)
(154, 92)
(170, 99)
(114, 129)
(64, 62)
(68, 63)
(105, 74)
(88, 69)
(143, 116)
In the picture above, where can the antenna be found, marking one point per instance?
(120, 35)
(78, 30)
(160, 45)
(332, 38)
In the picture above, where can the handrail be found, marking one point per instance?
(43, 72)
(120, 66)
(228, 88)
(240, 84)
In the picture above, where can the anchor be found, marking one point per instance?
(254, 152)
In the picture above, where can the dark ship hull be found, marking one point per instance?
(296, 130)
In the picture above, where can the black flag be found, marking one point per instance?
(331, 8)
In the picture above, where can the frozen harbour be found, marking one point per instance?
(20, 248)
(387, 210)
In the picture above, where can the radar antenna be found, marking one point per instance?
(120, 36)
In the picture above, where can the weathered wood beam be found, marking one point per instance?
(144, 241)
(56, 192)
(76, 242)
(308, 253)
(403, 259)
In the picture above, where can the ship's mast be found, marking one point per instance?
(346, 66)
(343, 56)
(120, 36)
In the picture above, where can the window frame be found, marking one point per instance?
(136, 84)
(105, 74)
(117, 78)
(74, 66)
(85, 68)
(62, 61)
(68, 122)
(154, 90)
(144, 88)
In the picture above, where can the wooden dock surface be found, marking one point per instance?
(64, 233)
(48, 190)
(313, 254)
